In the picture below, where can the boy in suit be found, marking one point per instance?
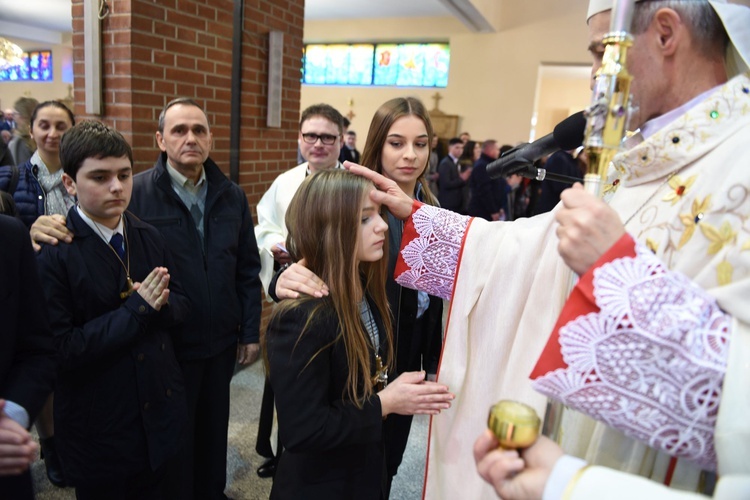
(120, 406)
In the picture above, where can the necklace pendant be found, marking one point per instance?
(380, 379)
(127, 293)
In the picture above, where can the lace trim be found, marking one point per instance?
(651, 363)
(432, 257)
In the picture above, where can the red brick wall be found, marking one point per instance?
(154, 51)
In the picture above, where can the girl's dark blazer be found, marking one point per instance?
(332, 449)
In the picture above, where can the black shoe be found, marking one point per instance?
(267, 468)
(52, 462)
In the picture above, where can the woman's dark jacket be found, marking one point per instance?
(332, 449)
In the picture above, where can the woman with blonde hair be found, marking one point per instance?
(329, 358)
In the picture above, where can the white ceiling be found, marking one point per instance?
(358, 9)
(55, 16)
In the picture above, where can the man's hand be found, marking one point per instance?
(297, 279)
(390, 195)
(247, 354)
(154, 289)
(588, 228)
(17, 449)
(49, 229)
(465, 174)
(281, 256)
(514, 477)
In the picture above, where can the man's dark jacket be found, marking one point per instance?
(28, 361)
(220, 274)
(450, 185)
(487, 195)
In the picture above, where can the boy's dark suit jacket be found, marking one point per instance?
(27, 355)
(332, 449)
(119, 403)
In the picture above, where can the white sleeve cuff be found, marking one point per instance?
(562, 473)
(17, 413)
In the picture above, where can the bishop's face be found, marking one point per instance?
(648, 88)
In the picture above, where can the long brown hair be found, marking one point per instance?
(381, 124)
(323, 220)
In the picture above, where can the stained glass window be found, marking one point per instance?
(36, 66)
(400, 65)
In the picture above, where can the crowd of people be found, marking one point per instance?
(123, 332)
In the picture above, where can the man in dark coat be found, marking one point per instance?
(450, 180)
(207, 223)
(349, 150)
(27, 357)
(488, 199)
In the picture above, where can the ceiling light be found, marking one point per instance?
(10, 54)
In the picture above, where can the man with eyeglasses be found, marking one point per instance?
(320, 134)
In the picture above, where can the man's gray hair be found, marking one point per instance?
(701, 19)
(174, 102)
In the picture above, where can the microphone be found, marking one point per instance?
(568, 134)
(540, 174)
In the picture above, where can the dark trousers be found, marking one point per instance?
(265, 425)
(201, 473)
(17, 487)
(147, 485)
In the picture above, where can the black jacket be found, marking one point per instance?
(28, 195)
(332, 449)
(27, 356)
(219, 276)
(119, 402)
(487, 195)
(450, 185)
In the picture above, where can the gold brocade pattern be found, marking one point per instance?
(700, 215)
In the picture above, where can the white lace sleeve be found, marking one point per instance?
(651, 362)
(431, 257)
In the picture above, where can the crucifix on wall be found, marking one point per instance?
(351, 114)
(437, 97)
(444, 126)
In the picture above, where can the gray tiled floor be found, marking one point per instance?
(243, 483)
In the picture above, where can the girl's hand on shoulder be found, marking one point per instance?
(411, 394)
